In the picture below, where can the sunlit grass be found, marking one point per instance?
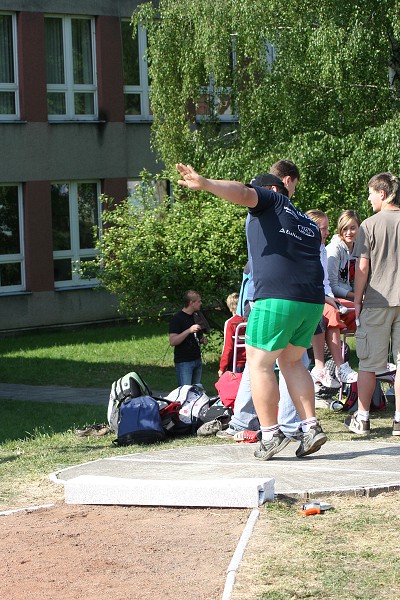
(96, 356)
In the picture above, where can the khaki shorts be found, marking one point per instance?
(378, 332)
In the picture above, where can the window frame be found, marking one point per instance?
(143, 89)
(137, 189)
(12, 87)
(215, 92)
(17, 258)
(75, 253)
(69, 88)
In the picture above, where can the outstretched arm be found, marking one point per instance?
(234, 191)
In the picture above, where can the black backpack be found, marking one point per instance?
(216, 411)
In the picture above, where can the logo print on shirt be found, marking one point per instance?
(287, 232)
(305, 230)
(292, 211)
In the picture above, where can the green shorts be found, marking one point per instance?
(275, 323)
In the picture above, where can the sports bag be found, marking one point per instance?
(192, 399)
(227, 387)
(131, 385)
(216, 411)
(139, 422)
(378, 400)
(169, 413)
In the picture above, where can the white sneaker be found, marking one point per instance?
(227, 433)
(345, 373)
(355, 426)
(325, 378)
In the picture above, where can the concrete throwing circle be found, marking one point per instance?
(359, 466)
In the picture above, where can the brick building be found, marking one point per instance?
(74, 124)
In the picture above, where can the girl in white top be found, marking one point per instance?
(341, 262)
(330, 325)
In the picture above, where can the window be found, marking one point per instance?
(9, 107)
(75, 213)
(216, 101)
(136, 83)
(70, 68)
(12, 272)
(145, 195)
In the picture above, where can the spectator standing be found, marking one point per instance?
(185, 335)
(377, 297)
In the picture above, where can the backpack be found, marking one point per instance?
(139, 422)
(192, 399)
(169, 413)
(228, 386)
(378, 400)
(130, 385)
(216, 411)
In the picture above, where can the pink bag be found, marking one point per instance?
(227, 387)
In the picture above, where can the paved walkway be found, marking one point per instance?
(54, 393)
(57, 393)
(361, 466)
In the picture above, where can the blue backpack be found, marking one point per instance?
(139, 422)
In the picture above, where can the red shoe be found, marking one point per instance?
(247, 437)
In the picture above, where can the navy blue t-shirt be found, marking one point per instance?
(284, 245)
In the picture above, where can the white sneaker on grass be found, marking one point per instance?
(345, 373)
(323, 377)
(227, 433)
(356, 426)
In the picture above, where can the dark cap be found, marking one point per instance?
(267, 179)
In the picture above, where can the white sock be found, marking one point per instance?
(363, 415)
(397, 416)
(308, 423)
(268, 432)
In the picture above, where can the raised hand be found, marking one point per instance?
(191, 179)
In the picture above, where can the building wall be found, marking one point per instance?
(38, 152)
(116, 8)
(45, 309)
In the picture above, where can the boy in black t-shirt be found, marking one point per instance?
(185, 335)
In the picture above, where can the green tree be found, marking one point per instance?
(313, 81)
(150, 256)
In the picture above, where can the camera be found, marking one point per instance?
(342, 309)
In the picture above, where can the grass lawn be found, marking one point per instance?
(350, 552)
(96, 356)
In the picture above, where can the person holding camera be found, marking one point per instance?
(185, 336)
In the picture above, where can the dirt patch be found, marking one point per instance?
(102, 552)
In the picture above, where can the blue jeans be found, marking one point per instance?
(288, 418)
(189, 373)
(244, 414)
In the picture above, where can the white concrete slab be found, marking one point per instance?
(359, 467)
(226, 493)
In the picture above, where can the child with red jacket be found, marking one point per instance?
(226, 362)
